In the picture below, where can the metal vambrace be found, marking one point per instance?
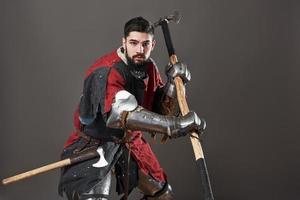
(144, 120)
(125, 113)
(170, 89)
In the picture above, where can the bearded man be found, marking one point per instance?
(124, 97)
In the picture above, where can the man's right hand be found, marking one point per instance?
(189, 123)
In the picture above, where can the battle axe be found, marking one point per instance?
(199, 156)
(76, 158)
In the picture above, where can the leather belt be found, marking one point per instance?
(89, 143)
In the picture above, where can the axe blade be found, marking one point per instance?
(175, 17)
(101, 162)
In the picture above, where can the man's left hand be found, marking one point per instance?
(178, 69)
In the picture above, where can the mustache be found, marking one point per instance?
(141, 55)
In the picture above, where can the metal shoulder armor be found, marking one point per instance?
(124, 101)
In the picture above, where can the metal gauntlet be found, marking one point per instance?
(178, 69)
(124, 115)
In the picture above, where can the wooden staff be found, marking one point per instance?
(69, 161)
(198, 152)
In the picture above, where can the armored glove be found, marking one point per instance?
(188, 124)
(178, 69)
(172, 71)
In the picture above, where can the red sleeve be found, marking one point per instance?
(115, 83)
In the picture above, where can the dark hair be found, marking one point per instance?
(138, 24)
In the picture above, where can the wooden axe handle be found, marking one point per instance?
(36, 171)
(69, 161)
(198, 152)
(184, 108)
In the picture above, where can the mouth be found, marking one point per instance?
(139, 58)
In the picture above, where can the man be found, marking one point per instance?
(124, 95)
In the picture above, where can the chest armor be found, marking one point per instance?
(134, 84)
(134, 81)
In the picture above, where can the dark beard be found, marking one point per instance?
(138, 70)
(133, 64)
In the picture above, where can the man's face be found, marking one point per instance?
(138, 47)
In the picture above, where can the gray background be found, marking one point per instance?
(244, 59)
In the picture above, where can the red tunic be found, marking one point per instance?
(140, 149)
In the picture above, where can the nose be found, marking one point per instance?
(140, 48)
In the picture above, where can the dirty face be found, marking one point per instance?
(138, 47)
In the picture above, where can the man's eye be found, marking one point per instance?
(133, 43)
(146, 44)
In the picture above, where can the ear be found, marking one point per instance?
(123, 42)
(153, 44)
